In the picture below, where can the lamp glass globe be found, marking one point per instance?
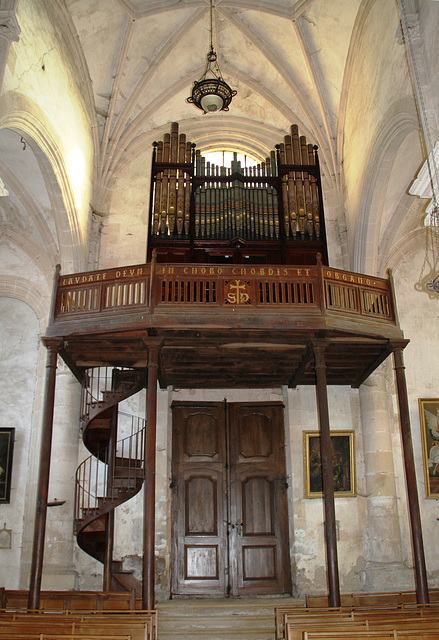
(211, 102)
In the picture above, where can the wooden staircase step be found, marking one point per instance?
(222, 619)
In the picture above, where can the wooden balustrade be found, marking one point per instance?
(149, 289)
(250, 325)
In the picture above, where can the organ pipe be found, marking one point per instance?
(278, 198)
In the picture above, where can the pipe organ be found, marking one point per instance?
(271, 213)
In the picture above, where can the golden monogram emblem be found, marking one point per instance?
(236, 292)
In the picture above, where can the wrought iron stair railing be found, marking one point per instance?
(113, 473)
(98, 489)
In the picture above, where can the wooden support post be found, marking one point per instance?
(149, 481)
(109, 528)
(43, 476)
(410, 474)
(109, 545)
(327, 473)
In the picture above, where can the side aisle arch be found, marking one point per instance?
(71, 236)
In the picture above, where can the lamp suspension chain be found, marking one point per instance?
(211, 25)
(211, 93)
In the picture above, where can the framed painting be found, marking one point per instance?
(7, 436)
(429, 417)
(343, 462)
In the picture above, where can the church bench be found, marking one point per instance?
(407, 625)
(405, 634)
(403, 618)
(12, 629)
(141, 625)
(46, 614)
(379, 618)
(412, 634)
(365, 599)
(361, 612)
(400, 619)
(86, 636)
(349, 635)
(82, 600)
(144, 618)
(296, 631)
(291, 614)
(77, 636)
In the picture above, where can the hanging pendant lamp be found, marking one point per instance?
(211, 93)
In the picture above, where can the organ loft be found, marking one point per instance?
(236, 293)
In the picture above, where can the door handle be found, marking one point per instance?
(239, 528)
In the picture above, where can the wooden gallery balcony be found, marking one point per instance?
(227, 325)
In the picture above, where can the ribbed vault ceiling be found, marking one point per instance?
(285, 58)
(336, 68)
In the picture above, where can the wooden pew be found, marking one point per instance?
(284, 615)
(381, 602)
(372, 635)
(407, 618)
(365, 599)
(73, 600)
(295, 631)
(76, 636)
(354, 635)
(86, 636)
(11, 629)
(140, 625)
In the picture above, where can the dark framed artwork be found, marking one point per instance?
(343, 462)
(7, 436)
(429, 417)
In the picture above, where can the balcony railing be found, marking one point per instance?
(157, 289)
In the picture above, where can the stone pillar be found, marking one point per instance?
(149, 481)
(384, 537)
(59, 568)
(163, 496)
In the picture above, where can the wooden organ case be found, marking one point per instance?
(204, 213)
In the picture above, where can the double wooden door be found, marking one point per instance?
(229, 509)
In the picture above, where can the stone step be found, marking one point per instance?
(222, 619)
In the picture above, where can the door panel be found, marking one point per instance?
(199, 516)
(230, 525)
(258, 500)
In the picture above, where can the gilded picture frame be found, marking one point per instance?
(429, 419)
(7, 437)
(343, 460)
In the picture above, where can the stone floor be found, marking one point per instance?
(220, 619)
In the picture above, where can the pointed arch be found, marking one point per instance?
(396, 127)
(19, 116)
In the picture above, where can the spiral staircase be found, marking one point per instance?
(113, 473)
